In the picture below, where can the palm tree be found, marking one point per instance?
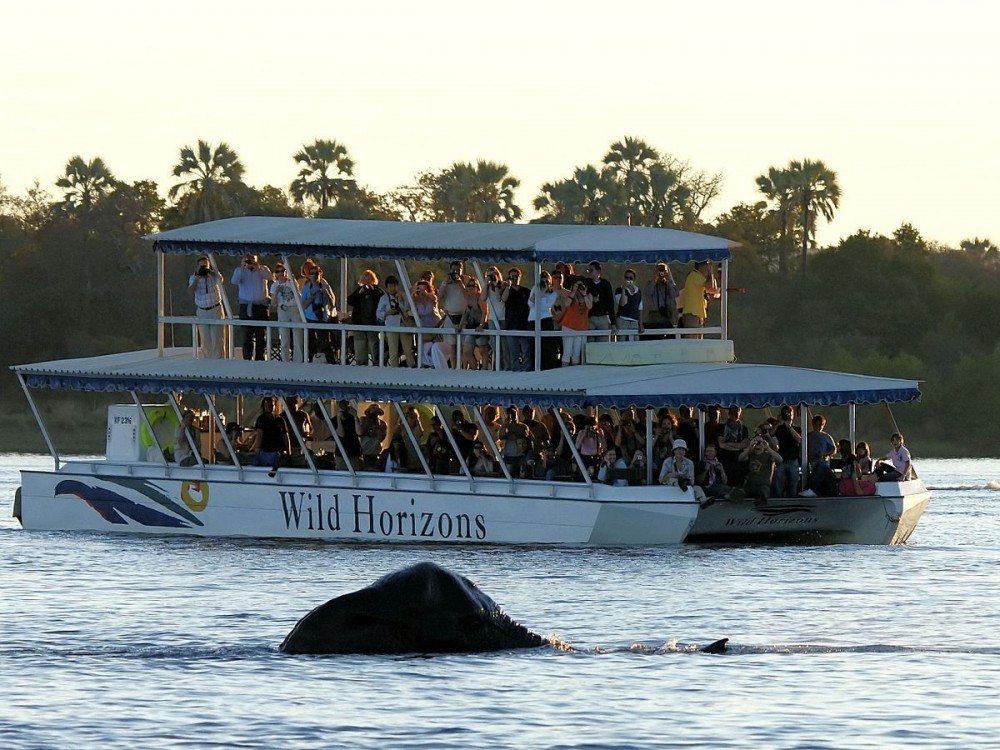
(325, 165)
(210, 172)
(632, 159)
(482, 193)
(815, 191)
(777, 186)
(85, 182)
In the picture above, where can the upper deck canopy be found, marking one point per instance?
(746, 385)
(431, 240)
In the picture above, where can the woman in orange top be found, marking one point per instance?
(576, 304)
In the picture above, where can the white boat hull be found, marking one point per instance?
(887, 518)
(298, 504)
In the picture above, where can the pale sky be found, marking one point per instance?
(899, 98)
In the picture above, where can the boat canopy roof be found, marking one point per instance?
(674, 385)
(430, 240)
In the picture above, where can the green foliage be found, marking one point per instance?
(77, 279)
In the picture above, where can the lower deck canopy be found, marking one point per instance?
(584, 386)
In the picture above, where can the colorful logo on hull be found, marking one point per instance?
(116, 508)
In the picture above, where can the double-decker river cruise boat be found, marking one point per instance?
(415, 453)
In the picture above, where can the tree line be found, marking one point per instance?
(77, 280)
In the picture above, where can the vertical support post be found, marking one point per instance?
(160, 301)
(196, 449)
(38, 420)
(536, 292)
(649, 446)
(414, 442)
(223, 434)
(724, 303)
(576, 454)
(336, 438)
(454, 446)
(491, 442)
(298, 436)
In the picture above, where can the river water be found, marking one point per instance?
(124, 642)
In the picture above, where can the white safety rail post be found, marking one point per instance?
(299, 438)
(649, 444)
(336, 439)
(404, 283)
(804, 447)
(160, 304)
(196, 449)
(536, 291)
(724, 300)
(229, 334)
(492, 443)
(576, 454)
(223, 434)
(491, 315)
(414, 442)
(38, 420)
(454, 446)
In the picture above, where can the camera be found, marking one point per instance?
(202, 271)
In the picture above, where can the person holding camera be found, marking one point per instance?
(540, 303)
(760, 458)
(206, 286)
(394, 311)
(496, 311)
(628, 303)
(451, 294)
(786, 478)
(516, 311)
(678, 470)
(364, 308)
(602, 313)
(253, 280)
(372, 431)
(660, 297)
(576, 303)
(319, 304)
(284, 290)
(514, 437)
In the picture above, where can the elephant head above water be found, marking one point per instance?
(421, 609)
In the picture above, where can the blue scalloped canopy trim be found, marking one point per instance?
(506, 255)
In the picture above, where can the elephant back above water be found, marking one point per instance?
(421, 609)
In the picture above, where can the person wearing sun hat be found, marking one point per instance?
(678, 469)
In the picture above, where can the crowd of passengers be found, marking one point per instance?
(736, 463)
(562, 300)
